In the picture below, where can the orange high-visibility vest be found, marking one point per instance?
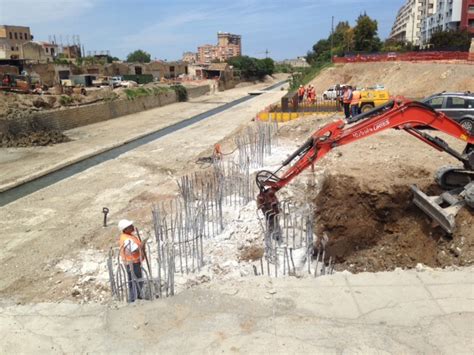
(301, 92)
(127, 256)
(345, 97)
(355, 97)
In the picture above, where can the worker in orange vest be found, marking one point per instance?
(346, 101)
(311, 95)
(355, 102)
(132, 252)
(301, 91)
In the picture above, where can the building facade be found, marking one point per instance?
(467, 16)
(228, 45)
(446, 16)
(407, 25)
(417, 20)
(190, 57)
(41, 52)
(12, 39)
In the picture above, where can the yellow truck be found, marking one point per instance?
(370, 98)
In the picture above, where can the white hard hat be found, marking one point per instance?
(124, 223)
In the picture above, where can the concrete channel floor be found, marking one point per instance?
(24, 164)
(399, 312)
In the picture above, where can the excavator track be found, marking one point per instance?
(451, 177)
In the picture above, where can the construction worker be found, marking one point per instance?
(132, 252)
(301, 92)
(312, 95)
(346, 100)
(355, 102)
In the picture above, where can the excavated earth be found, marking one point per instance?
(373, 230)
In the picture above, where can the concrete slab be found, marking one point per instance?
(304, 317)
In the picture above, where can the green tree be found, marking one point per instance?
(365, 35)
(457, 40)
(111, 59)
(139, 56)
(252, 67)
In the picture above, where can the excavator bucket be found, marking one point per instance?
(442, 208)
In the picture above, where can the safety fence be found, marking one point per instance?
(408, 56)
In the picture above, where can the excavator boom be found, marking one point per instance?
(399, 114)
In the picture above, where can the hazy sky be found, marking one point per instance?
(168, 28)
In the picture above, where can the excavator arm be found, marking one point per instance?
(399, 114)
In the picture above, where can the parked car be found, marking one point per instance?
(333, 92)
(457, 105)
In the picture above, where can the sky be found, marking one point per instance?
(166, 29)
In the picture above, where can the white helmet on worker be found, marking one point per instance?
(124, 224)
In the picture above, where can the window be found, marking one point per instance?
(471, 9)
(455, 102)
(21, 35)
(11, 35)
(470, 104)
(13, 48)
(47, 50)
(436, 102)
(471, 23)
(16, 35)
(26, 35)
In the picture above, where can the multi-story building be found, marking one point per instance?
(190, 57)
(228, 46)
(407, 25)
(446, 16)
(12, 39)
(417, 20)
(41, 52)
(467, 16)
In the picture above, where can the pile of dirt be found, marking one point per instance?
(400, 78)
(373, 230)
(28, 133)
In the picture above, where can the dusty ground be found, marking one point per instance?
(63, 222)
(400, 78)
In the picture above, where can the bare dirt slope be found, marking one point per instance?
(400, 78)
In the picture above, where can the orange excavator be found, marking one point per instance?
(401, 114)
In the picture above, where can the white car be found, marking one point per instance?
(332, 92)
(128, 84)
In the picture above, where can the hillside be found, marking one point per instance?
(400, 78)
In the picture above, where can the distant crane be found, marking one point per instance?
(266, 53)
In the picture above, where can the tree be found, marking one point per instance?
(139, 56)
(453, 40)
(252, 67)
(365, 35)
(111, 59)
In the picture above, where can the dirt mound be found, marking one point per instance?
(400, 78)
(28, 133)
(372, 230)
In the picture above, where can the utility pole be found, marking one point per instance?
(332, 34)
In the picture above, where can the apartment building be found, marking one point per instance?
(12, 39)
(228, 45)
(467, 16)
(417, 20)
(407, 25)
(446, 16)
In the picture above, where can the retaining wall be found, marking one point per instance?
(83, 115)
